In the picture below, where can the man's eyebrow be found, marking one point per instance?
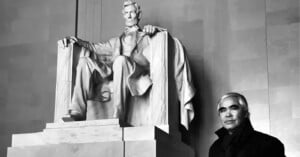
(221, 108)
(234, 105)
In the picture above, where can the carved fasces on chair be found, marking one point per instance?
(67, 60)
(63, 80)
(159, 75)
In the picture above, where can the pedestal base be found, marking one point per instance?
(97, 138)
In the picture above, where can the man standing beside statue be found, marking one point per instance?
(128, 65)
(237, 137)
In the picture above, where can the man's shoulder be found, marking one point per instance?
(266, 139)
(269, 145)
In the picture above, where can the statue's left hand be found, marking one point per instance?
(149, 29)
(69, 40)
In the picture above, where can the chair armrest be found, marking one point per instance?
(67, 60)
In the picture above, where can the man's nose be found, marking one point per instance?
(228, 113)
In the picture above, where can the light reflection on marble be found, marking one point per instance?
(248, 74)
(259, 109)
(284, 72)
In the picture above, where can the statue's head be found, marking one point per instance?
(131, 13)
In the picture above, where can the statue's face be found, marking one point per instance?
(130, 15)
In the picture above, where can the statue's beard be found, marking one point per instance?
(131, 22)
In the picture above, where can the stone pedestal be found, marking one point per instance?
(97, 138)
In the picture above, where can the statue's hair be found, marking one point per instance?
(135, 4)
(240, 98)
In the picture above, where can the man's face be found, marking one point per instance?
(231, 113)
(130, 15)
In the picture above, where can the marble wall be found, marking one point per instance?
(29, 30)
(283, 30)
(248, 46)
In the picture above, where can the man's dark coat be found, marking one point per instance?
(246, 142)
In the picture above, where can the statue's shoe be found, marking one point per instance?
(75, 115)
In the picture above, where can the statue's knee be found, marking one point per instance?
(84, 63)
(83, 60)
(120, 61)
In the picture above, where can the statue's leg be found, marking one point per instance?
(122, 67)
(84, 72)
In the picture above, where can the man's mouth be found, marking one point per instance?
(229, 121)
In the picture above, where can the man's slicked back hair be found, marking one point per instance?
(239, 97)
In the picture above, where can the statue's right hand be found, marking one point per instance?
(69, 40)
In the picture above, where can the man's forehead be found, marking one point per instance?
(229, 101)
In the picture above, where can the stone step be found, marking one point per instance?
(98, 138)
(88, 134)
(78, 124)
(85, 134)
(98, 149)
(72, 132)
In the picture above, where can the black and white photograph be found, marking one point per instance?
(149, 78)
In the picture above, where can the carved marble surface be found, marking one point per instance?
(150, 109)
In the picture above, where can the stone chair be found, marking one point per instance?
(157, 107)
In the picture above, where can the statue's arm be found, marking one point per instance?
(99, 48)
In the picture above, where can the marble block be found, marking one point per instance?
(98, 138)
(72, 132)
(157, 148)
(99, 149)
(22, 139)
(146, 133)
(83, 134)
(151, 141)
(74, 124)
(143, 133)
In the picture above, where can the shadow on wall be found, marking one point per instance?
(192, 37)
(197, 137)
